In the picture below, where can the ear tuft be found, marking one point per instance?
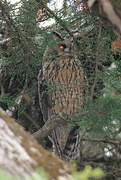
(58, 35)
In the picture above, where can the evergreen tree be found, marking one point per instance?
(23, 41)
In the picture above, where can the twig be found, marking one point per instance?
(52, 14)
(113, 142)
(96, 65)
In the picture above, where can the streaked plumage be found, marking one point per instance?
(61, 84)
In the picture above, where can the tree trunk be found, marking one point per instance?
(20, 154)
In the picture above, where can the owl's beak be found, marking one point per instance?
(67, 50)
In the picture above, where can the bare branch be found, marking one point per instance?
(108, 10)
(107, 141)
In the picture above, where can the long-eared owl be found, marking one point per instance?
(61, 88)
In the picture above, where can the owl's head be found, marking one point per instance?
(62, 46)
(59, 45)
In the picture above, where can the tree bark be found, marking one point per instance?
(20, 154)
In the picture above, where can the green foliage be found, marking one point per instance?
(4, 176)
(21, 61)
(102, 118)
(40, 175)
(24, 56)
(88, 173)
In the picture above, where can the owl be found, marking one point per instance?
(61, 89)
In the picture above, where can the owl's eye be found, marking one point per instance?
(62, 46)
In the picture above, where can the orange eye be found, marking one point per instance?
(62, 46)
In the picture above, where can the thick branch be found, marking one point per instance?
(51, 124)
(47, 128)
(109, 10)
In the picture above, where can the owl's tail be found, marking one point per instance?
(70, 150)
(72, 147)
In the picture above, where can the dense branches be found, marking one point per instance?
(22, 45)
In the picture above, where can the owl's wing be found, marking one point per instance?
(43, 95)
(66, 142)
(59, 137)
(45, 103)
(72, 147)
(43, 87)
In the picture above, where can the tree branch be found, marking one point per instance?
(106, 141)
(48, 127)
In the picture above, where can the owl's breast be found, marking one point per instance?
(66, 83)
